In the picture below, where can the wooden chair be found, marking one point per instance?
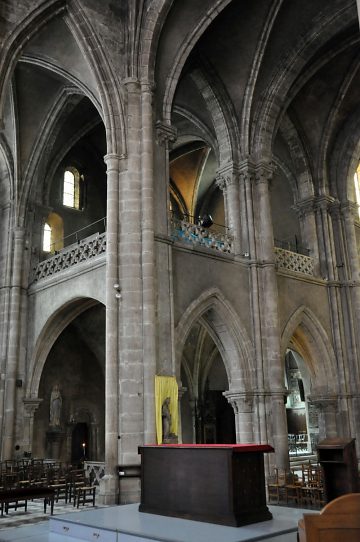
(338, 521)
(276, 485)
(292, 488)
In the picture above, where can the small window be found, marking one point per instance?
(53, 233)
(71, 188)
(47, 238)
(357, 187)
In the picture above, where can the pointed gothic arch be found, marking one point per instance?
(183, 53)
(304, 332)
(226, 330)
(270, 110)
(111, 102)
(46, 339)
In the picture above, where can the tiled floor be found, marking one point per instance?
(35, 513)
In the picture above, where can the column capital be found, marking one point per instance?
(132, 84)
(31, 405)
(241, 401)
(226, 175)
(165, 133)
(324, 202)
(147, 86)
(263, 173)
(113, 161)
(305, 207)
(350, 209)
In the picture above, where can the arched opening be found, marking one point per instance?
(53, 233)
(207, 417)
(302, 419)
(74, 371)
(79, 443)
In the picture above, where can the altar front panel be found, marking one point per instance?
(218, 484)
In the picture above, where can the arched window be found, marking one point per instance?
(47, 238)
(357, 187)
(53, 234)
(71, 188)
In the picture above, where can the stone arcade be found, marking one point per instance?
(179, 185)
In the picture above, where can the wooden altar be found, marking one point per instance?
(222, 484)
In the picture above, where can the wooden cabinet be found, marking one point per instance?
(340, 467)
(222, 484)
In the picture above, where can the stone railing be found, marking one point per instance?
(197, 235)
(94, 470)
(285, 259)
(80, 252)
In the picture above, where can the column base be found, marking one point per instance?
(109, 489)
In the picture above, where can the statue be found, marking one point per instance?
(55, 406)
(166, 418)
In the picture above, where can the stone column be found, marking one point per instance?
(243, 404)
(351, 295)
(181, 391)
(166, 364)
(228, 181)
(148, 264)
(247, 176)
(109, 483)
(30, 407)
(329, 215)
(132, 355)
(272, 363)
(192, 403)
(6, 246)
(13, 344)
(327, 406)
(306, 213)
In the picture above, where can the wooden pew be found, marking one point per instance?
(18, 497)
(339, 520)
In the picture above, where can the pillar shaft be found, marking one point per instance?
(327, 407)
(113, 163)
(131, 385)
(13, 345)
(242, 404)
(228, 181)
(148, 266)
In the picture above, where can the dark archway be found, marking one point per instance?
(79, 443)
(76, 364)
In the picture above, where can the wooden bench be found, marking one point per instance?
(18, 497)
(339, 520)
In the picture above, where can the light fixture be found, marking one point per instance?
(206, 221)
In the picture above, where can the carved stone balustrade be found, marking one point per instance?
(292, 261)
(197, 235)
(82, 251)
(94, 471)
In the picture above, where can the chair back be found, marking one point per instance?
(338, 521)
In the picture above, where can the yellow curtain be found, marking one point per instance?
(166, 386)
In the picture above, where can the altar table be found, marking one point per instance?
(222, 484)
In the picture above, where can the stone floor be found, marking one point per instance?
(35, 513)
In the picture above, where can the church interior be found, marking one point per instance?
(179, 198)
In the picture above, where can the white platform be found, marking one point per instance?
(127, 524)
